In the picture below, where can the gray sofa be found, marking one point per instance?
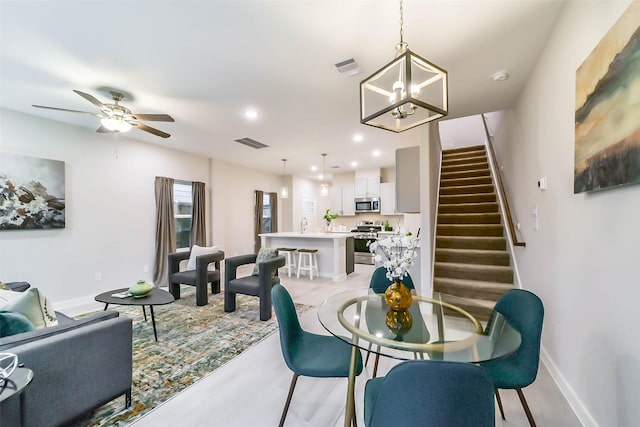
(78, 366)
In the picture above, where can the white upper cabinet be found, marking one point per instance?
(388, 198)
(367, 183)
(342, 200)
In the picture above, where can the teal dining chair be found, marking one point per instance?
(305, 353)
(430, 393)
(379, 283)
(525, 312)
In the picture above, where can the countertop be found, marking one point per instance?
(334, 235)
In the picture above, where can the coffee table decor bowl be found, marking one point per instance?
(141, 289)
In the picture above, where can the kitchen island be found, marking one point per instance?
(335, 250)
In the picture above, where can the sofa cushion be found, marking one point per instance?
(12, 323)
(264, 254)
(32, 304)
(197, 251)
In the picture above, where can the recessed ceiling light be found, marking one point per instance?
(358, 138)
(354, 164)
(376, 153)
(314, 168)
(320, 176)
(500, 76)
(251, 114)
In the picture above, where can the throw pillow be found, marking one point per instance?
(34, 306)
(12, 323)
(197, 251)
(264, 254)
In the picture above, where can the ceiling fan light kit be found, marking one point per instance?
(116, 118)
(407, 92)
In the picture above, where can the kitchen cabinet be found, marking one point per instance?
(367, 183)
(341, 200)
(408, 180)
(388, 198)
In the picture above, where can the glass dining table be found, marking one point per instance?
(435, 328)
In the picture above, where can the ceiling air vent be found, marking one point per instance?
(348, 68)
(251, 143)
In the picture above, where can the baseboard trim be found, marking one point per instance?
(77, 306)
(581, 411)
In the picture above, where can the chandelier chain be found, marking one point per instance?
(401, 22)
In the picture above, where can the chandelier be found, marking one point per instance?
(324, 186)
(284, 190)
(407, 92)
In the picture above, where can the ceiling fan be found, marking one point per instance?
(116, 118)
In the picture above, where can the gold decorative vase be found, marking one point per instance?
(398, 296)
(399, 321)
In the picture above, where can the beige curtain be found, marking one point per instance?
(257, 222)
(165, 230)
(198, 215)
(273, 202)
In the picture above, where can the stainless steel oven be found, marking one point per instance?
(363, 235)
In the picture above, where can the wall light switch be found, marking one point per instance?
(542, 183)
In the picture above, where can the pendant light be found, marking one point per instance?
(407, 92)
(284, 190)
(324, 186)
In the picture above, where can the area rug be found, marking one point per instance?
(192, 342)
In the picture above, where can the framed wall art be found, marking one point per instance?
(607, 118)
(32, 194)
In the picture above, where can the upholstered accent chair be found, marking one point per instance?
(265, 275)
(199, 275)
(525, 312)
(305, 353)
(433, 393)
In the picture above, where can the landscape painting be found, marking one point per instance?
(607, 119)
(31, 193)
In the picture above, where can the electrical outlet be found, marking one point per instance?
(98, 276)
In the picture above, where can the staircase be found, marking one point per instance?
(471, 260)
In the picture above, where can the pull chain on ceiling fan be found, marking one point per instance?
(117, 118)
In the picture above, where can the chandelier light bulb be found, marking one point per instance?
(116, 125)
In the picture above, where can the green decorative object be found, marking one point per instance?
(141, 289)
(387, 227)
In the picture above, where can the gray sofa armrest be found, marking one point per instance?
(74, 372)
(270, 267)
(174, 261)
(203, 261)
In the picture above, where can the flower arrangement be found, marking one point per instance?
(396, 253)
(328, 216)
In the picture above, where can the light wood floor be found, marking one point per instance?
(252, 388)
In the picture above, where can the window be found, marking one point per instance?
(182, 208)
(266, 214)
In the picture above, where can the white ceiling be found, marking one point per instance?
(206, 62)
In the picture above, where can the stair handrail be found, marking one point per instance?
(503, 193)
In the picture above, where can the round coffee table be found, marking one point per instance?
(157, 296)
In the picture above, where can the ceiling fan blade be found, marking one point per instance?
(90, 98)
(154, 117)
(62, 109)
(103, 129)
(149, 129)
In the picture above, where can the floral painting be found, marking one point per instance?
(31, 193)
(607, 119)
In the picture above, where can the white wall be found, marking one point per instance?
(583, 260)
(110, 208)
(461, 132)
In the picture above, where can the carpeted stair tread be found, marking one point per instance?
(456, 182)
(469, 218)
(467, 198)
(477, 158)
(467, 242)
(484, 290)
(466, 174)
(490, 273)
(488, 230)
(471, 165)
(473, 256)
(463, 150)
(486, 207)
(467, 189)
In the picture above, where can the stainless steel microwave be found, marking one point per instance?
(367, 204)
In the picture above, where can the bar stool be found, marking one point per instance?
(289, 253)
(308, 261)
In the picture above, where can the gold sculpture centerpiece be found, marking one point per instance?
(396, 253)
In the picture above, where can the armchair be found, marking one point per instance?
(199, 277)
(259, 285)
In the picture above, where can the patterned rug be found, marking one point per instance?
(192, 343)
